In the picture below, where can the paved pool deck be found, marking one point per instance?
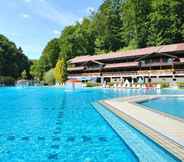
(164, 129)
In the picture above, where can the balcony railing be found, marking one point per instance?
(130, 73)
(157, 64)
(168, 72)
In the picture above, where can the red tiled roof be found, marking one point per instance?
(138, 52)
(118, 65)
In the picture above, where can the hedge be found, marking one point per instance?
(7, 81)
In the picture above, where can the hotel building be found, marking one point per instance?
(152, 64)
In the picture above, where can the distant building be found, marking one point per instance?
(152, 64)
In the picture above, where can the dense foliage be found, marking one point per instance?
(7, 81)
(180, 84)
(12, 61)
(47, 61)
(92, 84)
(60, 71)
(49, 78)
(117, 25)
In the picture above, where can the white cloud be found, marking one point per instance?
(25, 16)
(13, 34)
(27, 1)
(56, 32)
(46, 10)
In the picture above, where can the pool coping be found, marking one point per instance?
(166, 141)
(157, 111)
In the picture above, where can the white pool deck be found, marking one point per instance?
(164, 129)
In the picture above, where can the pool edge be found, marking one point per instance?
(168, 144)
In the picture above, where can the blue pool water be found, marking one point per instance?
(170, 105)
(52, 124)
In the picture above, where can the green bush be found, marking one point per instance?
(91, 84)
(49, 77)
(7, 81)
(164, 85)
(110, 84)
(180, 84)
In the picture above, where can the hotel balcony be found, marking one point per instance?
(124, 65)
(145, 73)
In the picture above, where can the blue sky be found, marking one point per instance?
(32, 23)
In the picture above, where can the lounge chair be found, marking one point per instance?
(119, 85)
(158, 86)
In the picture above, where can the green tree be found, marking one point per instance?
(135, 22)
(77, 40)
(24, 74)
(107, 23)
(38, 69)
(47, 60)
(60, 71)
(165, 22)
(49, 77)
(51, 53)
(12, 59)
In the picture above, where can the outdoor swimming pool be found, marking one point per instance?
(51, 124)
(170, 105)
